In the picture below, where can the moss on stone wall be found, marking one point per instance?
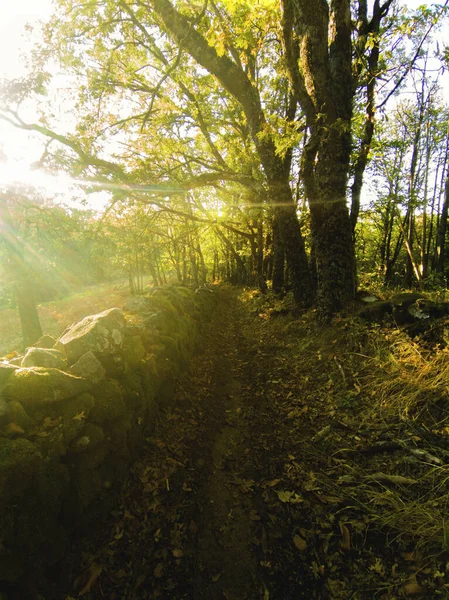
(68, 437)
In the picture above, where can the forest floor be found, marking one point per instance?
(297, 461)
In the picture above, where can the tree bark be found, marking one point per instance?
(323, 76)
(20, 276)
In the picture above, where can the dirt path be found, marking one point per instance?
(197, 519)
(276, 474)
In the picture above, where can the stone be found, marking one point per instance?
(92, 435)
(138, 304)
(46, 341)
(109, 402)
(405, 299)
(133, 351)
(89, 367)
(18, 415)
(6, 369)
(44, 357)
(36, 386)
(376, 311)
(101, 334)
(20, 464)
(75, 412)
(3, 411)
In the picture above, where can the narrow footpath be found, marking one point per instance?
(201, 516)
(275, 473)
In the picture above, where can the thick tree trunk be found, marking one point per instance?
(278, 258)
(442, 227)
(331, 226)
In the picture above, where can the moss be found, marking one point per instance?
(133, 351)
(38, 386)
(20, 465)
(17, 414)
(109, 403)
(75, 412)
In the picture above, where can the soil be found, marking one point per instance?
(253, 484)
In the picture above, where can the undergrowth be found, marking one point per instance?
(368, 409)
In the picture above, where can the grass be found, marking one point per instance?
(373, 427)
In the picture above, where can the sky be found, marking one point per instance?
(21, 148)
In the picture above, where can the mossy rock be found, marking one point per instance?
(406, 299)
(6, 370)
(44, 357)
(163, 322)
(376, 311)
(117, 436)
(89, 367)
(133, 393)
(37, 386)
(133, 351)
(18, 415)
(160, 302)
(20, 465)
(87, 487)
(101, 334)
(150, 378)
(75, 412)
(109, 402)
(181, 297)
(92, 435)
(46, 341)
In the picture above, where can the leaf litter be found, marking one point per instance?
(296, 461)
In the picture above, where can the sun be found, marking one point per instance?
(15, 40)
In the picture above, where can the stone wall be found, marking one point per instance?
(73, 416)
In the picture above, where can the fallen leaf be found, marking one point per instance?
(215, 578)
(345, 543)
(177, 553)
(412, 588)
(13, 429)
(48, 422)
(254, 516)
(290, 497)
(79, 417)
(272, 483)
(299, 542)
(330, 499)
(378, 567)
(93, 573)
(158, 570)
(395, 479)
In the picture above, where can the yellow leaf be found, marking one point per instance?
(412, 588)
(345, 543)
(79, 417)
(13, 429)
(177, 553)
(93, 573)
(299, 542)
(48, 422)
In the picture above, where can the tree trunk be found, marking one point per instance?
(278, 258)
(19, 274)
(442, 227)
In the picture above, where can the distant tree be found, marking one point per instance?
(18, 272)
